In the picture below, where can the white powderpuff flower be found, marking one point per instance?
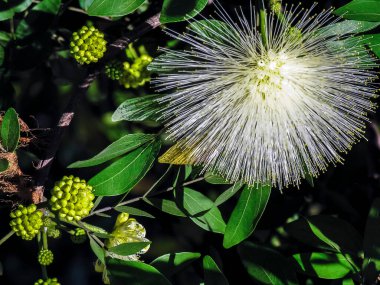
(265, 112)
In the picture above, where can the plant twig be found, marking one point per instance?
(6, 237)
(134, 200)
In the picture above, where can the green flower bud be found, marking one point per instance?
(49, 281)
(88, 45)
(114, 70)
(26, 221)
(45, 257)
(73, 198)
(78, 236)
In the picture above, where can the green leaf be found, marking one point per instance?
(10, 130)
(361, 10)
(113, 8)
(266, 266)
(326, 232)
(7, 10)
(84, 4)
(4, 164)
(134, 272)
(246, 214)
(226, 195)
(373, 41)
(122, 175)
(99, 252)
(371, 244)
(322, 265)
(139, 109)
(193, 202)
(219, 31)
(166, 206)
(171, 263)
(213, 275)
(39, 18)
(134, 211)
(215, 179)
(122, 146)
(347, 27)
(179, 10)
(129, 248)
(211, 221)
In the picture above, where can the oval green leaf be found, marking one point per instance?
(246, 214)
(129, 248)
(166, 206)
(360, 10)
(266, 266)
(138, 109)
(9, 8)
(171, 263)
(213, 275)
(122, 146)
(134, 211)
(113, 8)
(134, 272)
(326, 232)
(10, 130)
(4, 164)
(122, 175)
(179, 10)
(98, 251)
(322, 265)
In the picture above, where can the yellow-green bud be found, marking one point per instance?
(114, 70)
(135, 74)
(76, 201)
(45, 257)
(26, 221)
(49, 281)
(127, 230)
(78, 236)
(87, 45)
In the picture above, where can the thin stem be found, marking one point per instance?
(97, 240)
(158, 181)
(44, 240)
(263, 22)
(6, 237)
(12, 28)
(106, 209)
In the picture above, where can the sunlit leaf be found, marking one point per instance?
(122, 175)
(322, 265)
(266, 266)
(134, 272)
(213, 275)
(246, 214)
(171, 263)
(10, 130)
(123, 145)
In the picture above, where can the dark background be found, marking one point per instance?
(40, 85)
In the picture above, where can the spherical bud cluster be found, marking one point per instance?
(45, 257)
(71, 198)
(49, 281)
(114, 70)
(26, 221)
(87, 45)
(136, 74)
(78, 236)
